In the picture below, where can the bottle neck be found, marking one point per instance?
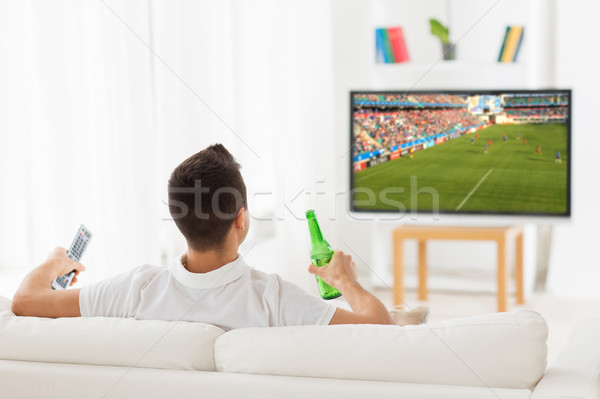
(315, 231)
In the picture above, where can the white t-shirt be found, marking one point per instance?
(233, 296)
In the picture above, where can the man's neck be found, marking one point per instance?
(207, 261)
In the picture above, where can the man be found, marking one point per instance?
(210, 283)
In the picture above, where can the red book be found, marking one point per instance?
(398, 44)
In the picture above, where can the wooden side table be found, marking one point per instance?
(501, 235)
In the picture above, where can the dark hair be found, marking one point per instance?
(206, 191)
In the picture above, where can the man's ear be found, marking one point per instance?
(239, 218)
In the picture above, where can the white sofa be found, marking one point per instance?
(495, 356)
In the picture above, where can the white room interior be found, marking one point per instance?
(100, 100)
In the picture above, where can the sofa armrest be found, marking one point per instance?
(576, 372)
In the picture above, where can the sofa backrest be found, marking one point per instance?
(502, 350)
(110, 341)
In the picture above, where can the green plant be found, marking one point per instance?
(439, 30)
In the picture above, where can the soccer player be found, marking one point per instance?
(524, 140)
(538, 150)
(490, 142)
(472, 139)
(558, 160)
(485, 149)
(504, 137)
(517, 135)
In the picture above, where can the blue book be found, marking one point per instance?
(503, 44)
(380, 51)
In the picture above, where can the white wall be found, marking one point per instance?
(574, 265)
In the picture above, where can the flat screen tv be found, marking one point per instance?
(500, 152)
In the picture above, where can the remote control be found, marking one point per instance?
(75, 252)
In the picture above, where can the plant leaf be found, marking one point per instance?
(439, 30)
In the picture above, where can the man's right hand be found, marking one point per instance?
(339, 272)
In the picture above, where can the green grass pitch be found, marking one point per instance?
(511, 177)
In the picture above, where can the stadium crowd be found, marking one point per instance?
(526, 101)
(383, 130)
(412, 99)
(363, 142)
(537, 111)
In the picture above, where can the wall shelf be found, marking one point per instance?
(449, 74)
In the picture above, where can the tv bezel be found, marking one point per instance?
(560, 216)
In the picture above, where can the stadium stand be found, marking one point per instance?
(540, 111)
(535, 109)
(408, 100)
(386, 121)
(392, 128)
(532, 101)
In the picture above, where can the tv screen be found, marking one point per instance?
(462, 152)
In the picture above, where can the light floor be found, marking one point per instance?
(560, 313)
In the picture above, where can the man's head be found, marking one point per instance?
(207, 195)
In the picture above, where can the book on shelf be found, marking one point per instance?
(513, 38)
(390, 45)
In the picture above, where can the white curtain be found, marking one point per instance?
(101, 100)
(78, 137)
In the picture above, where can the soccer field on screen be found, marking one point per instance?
(512, 177)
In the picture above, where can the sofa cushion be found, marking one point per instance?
(503, 350)
(109, 341)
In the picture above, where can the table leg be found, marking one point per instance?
(422, 270)
(519, 269)
(502, 275)
(398, 271)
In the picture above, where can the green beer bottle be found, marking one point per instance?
(320, 254)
